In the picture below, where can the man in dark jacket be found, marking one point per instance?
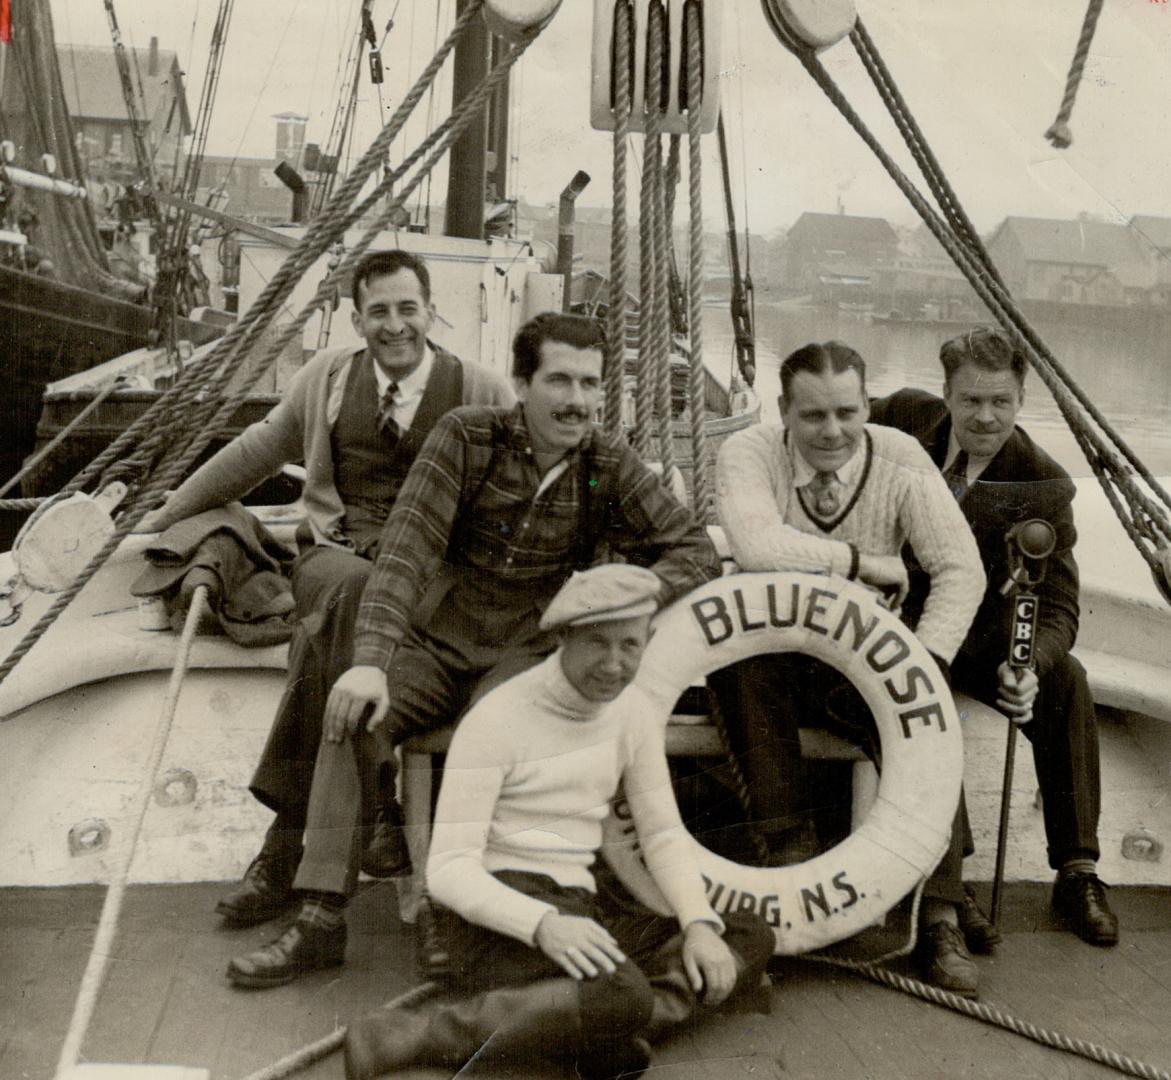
(1002, 478)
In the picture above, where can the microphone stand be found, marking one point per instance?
(1033, 540)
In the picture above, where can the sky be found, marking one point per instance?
(984, 79)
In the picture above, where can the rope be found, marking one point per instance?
(60, 437)
(660, 230)
(176, 463)
(24, 505)
(701, 483)
(989, 1014)
(102, 950)
(1059, 134)
(616, 313)
(651, 150)
(323, 1047)
(1147, 524)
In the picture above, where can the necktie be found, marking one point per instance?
(824, 490)
(386, 422)
(956, 475)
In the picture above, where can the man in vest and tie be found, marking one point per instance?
(827, 493)
(356, 418)
(1001, 478)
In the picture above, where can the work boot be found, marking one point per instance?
(302, 948)
(385, 854)
(266, 889)
(1079, 903)
(980, 935)
(945, 960)
(541, 1019)
(431, 952)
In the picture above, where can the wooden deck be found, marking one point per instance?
(166, 999)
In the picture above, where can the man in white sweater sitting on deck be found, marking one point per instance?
(550, 966)
(828, 493)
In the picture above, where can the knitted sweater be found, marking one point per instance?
(901, 498)
(527, 784)
(297, 429)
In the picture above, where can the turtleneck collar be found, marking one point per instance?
(565, 696)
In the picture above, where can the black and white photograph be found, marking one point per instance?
(585, 539)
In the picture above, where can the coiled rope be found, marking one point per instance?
(616, 312)
(1058, 133)
(1114, 463)
(211, 418)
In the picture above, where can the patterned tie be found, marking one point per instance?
(386, 421)
(824, 490)
(956, 475)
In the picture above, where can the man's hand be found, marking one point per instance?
(887, 574)
(1016, 691)
(155, 520)
(709, 962)
(361, 688)
(582, 947)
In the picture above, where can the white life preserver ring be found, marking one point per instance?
(904, 835)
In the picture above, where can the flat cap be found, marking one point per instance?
(603, 593)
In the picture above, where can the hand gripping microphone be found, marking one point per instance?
(1029, 542)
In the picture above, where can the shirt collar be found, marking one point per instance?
(803, 472)
(410, 384)
(976, 465)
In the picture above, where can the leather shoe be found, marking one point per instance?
(980, 935)
(265, 892)
(1079, 903)
(945, 960)
(302, 948)
(386, 854)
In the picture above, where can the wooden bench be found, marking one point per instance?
(688, 735)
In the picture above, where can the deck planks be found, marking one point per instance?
(167, 1000)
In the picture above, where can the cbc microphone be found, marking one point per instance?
(1034, 539)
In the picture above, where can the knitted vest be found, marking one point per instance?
(370, 466)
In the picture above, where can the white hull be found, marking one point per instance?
(82, 706)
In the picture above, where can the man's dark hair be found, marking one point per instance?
(817, 359)
(384, 263)
(986, 348)
(580, 331)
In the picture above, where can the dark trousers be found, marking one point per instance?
(430, 685)
(764, 701)
(1064, 734)
(483, 959)
(327, 587)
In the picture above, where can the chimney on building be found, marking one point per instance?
(152, 63)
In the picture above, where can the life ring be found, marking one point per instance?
(904, 835)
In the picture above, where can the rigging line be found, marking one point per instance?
(289, 20)
(430, 125)
(73, 61)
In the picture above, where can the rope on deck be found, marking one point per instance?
(616, 330)
(313, 1052)
(989, 1014)
(103, 946)
(1059, 134)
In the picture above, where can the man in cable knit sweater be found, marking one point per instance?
(827, 493)
(357, 419)
(548, 964)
